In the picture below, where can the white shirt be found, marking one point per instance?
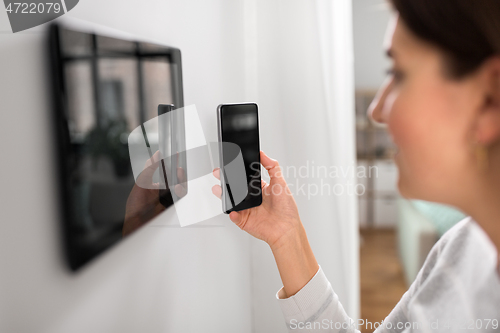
(457, 290)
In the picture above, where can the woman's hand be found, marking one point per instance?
(276, 221)
(277, 217)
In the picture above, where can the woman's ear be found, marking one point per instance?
(487, 129)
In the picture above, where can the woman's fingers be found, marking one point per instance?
(216, 173)
(235, 217)
(217, 190)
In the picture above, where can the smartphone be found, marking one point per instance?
(238, 124)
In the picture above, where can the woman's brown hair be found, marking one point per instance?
(468, 31)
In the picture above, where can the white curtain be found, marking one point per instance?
(300, 70)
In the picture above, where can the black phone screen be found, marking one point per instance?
(240, 125)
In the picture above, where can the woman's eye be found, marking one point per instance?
(396, 74)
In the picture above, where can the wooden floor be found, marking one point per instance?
(382, 280)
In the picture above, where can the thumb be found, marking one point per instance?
(235, 217)
(272, 166)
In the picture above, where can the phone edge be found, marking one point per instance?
(221, 161)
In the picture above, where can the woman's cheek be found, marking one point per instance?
(413, 127)
(410, 121)
(404, 131)
(395, 119)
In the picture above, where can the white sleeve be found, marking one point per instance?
(315, 308)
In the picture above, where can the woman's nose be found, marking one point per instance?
(376, 108)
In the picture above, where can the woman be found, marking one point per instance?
(441, 104)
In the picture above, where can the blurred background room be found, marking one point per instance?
(313, 68)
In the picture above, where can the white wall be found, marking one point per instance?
(370, 18)
(159, 280)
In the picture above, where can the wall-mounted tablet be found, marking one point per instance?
(104, 88)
